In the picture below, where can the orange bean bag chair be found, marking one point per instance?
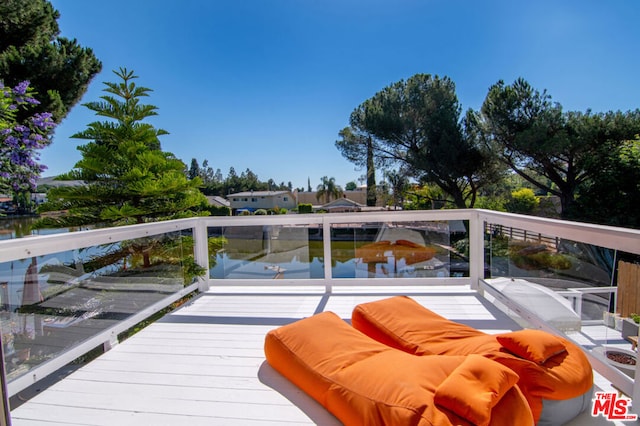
(555, 374)
(363, 382)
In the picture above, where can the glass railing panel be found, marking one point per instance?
(579, 272)
(524, 254)
(266, 252)
(410, 249)
(596, 290)
(52, 303)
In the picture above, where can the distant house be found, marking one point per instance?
(217, 201)
(342, 205)
(52, 182)
(254, 200)
(359, 196)
(43, 184)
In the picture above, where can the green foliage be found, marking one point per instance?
(522, 201)
(219, 211)
(499, 245)
(359, 147)
(614, 197)
(399, 185)
(260, 212)
(128, 179)
(31, 50)
(214, 183)
(328, 189)
(426, 197)
(491, 203)
(417, 123)
(560, 153)
(305, 208)
(531, 257)
(351, 186)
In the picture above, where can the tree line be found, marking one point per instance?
(215, 183)
(416, 129)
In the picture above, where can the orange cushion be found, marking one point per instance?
(403, 323)
(535, 345)
(474, 388)
(362, 381)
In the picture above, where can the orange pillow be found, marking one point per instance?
(474, 388)
(535, 345)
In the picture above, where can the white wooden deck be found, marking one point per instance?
(204, 364)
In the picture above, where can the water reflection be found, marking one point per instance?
(11, 228)
(358, 250)
(19, 227)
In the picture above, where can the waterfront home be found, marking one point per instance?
(254, 200)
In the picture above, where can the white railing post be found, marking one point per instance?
(476, 249)
(326, 245)
(201, 252)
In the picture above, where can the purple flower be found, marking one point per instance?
(20, 142)
(12, 141)
(43, 120)
(21, 88)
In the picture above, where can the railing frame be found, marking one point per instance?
(621, 239)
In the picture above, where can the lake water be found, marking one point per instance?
(20, 227)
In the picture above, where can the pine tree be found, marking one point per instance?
(58, 69)
(128, 178)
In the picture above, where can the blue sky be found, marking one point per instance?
(268, 84)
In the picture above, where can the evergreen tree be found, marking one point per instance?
(128, 178)
(417, 124)
(560, 153)
(194, 170)
(58, 69)
(358, 147)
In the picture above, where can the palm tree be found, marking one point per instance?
(328, 189)
(399, 183)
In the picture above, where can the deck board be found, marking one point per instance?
(204, 364)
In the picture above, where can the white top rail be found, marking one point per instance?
(627, 240)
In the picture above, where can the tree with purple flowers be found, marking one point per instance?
(20, 142)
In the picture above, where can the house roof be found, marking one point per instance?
(259, 193)
(215, 200)
(51, 181)
(341, 203)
